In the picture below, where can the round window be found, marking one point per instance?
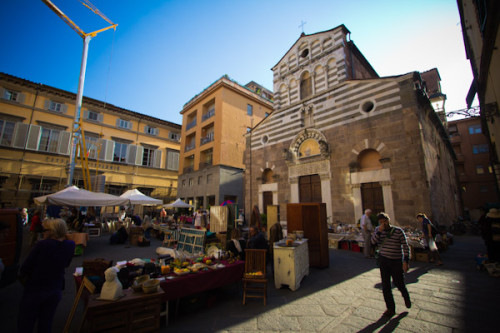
(265, 138)
(367, 106)
(304, 53)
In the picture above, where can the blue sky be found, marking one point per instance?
(165, 52)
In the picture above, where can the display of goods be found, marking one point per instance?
(150, 286)
(138, 282)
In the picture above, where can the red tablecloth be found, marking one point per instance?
(182, 286)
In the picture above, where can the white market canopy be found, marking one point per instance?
(178, 204)
(137, 198)
(73, 196)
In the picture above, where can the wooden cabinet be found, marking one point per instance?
(135, 312)
(291, 264)
(311, 218)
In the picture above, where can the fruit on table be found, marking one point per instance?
(185, 264)
(259, 273)
(208, 261)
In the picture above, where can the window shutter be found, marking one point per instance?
(146, 128)
(34, 137)
(2, 93)
(20, 135)
(129, 124)
(157, 131)
(138, 156)
(172, 160)
(107, 150)
(100, 118)
(20, 98)
(176, 161)
(131, 152)
(64, 143)
(64, 108)
(86, 114)
(118, 122)
(46, 105)
(157, 159)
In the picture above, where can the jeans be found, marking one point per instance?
(392, 268)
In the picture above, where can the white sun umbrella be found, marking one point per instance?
(178, 204)
(73, 196)
(137, 198)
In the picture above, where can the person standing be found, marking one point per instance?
(43, 276)
(36, 227)
(431, 243)
(256, 239)
(197, 219)
(367, 229)
(394, 254)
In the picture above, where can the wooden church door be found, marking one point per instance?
(372, 197)
(310, 189)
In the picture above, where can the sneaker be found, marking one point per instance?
(408, 302)
(389, 313)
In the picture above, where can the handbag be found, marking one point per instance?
(377, 254)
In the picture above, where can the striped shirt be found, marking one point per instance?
(395, 247)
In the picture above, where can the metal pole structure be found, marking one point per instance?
(77, 130)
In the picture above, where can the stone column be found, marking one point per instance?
(357, 201)
(294, 190)
(388, 202)
(326, 195)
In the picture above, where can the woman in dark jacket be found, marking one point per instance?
(237, 244)
(43, 275)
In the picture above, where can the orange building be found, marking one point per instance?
(214, 124)
(477, 180)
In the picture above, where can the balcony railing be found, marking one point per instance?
(188, 169)
(190, 147)
(207, 138)
(191, 125)
(207, 115)
(205, 164)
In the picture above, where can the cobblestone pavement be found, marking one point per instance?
(346, 297)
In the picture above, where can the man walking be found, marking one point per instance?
(366, 228)
(394, 254)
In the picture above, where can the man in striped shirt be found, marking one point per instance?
(394, 254)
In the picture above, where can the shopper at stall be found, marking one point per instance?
(198, 216)
(237, 244)
(36, 227)
(42, 274)
(366, 228)
(427, 229)
(256, 239)
(394, 255)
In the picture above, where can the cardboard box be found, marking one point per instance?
(422, 256)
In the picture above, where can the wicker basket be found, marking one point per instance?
(138, 282)
(150, 286)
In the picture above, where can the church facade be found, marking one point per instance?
(342, 135)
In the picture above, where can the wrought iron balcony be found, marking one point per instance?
(205, 164)
(190, 147)
(191, 125)
(207, 138)
(208, 115)
(188, 169)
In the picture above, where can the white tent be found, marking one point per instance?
(73, 196)
(178, 204)
(137, 198)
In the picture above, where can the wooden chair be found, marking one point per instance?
(254, 279)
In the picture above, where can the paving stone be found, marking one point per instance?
(279, 323)
(301, 310)
(420, 326)
(335, 310)
(313, 324)
(441, 319)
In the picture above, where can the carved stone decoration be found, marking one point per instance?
(309, 133)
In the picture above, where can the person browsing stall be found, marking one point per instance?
(42, 274)
(394, 254)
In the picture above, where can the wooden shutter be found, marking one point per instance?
(157, 158)
(20, 98)
(129, 124)
(64, 143)
(64, 108)
(107, 150)
(2, 93)
(86, 114)
(131, 153)
(46, 105)
(157, 131)
(173, 160)
(146, 128)
(100, 118)
(138, 156)
(34, 137)
(19, 136)
(118, 122)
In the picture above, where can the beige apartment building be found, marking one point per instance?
(125, 149)
(214, 124)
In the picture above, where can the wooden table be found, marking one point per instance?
(291, 264)
(135, 312)
(80, 238)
